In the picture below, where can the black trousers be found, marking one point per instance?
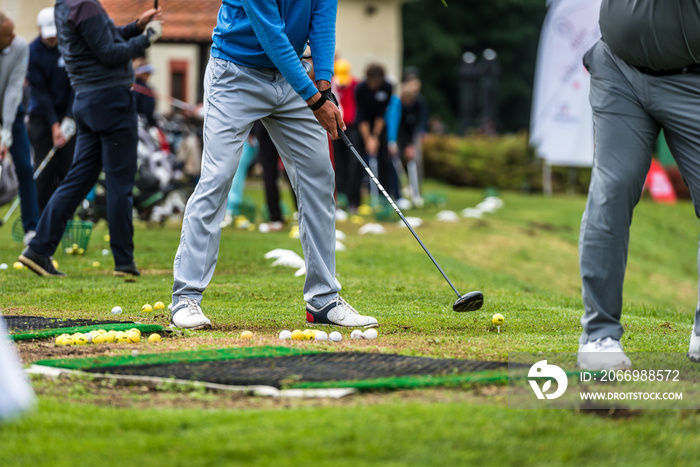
(269, 160)
(41, 138)
(107, 138)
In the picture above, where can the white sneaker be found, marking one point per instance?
(603, 354)
(338, 312)
(694, 348)
(187, 314)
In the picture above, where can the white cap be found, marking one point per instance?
(47, 24)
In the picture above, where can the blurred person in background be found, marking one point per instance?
(348, 170)
(412, 128)
(98, 58)
(50, 102)
(372, 96)
(14, 62)
(143, 94)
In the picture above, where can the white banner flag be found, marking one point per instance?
(561, 125)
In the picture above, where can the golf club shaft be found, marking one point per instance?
(38, 171)
(350, 146)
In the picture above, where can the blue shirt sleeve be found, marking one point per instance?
(264, 17)
(322, 38)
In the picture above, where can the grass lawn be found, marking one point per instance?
(524, 259)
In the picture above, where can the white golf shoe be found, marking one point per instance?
(187, 314)
(694, 348)
(338, 312)
(603, 354)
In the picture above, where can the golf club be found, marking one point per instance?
(471, 301)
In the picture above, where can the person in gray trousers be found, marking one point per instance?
(645, 76)
(256, 73)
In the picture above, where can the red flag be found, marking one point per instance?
(659, 184)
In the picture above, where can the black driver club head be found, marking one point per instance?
(471, 301)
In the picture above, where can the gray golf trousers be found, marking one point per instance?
(629, 110)
(234, 97)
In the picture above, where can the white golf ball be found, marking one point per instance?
(356, 334)
(116, 310)
(370, 334)
(105, 252)
(170, 307)
(321, 336)
(335, 336)
(286, 334)
(3, 266)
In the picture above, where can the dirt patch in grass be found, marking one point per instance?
(83, 389)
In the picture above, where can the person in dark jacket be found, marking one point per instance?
(98, 58)
(50, 102)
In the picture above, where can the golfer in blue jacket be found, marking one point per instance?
(254, 73)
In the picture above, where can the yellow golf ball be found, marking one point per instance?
(147, 308)
(134, 330)
(159, 306)
(55, 263)
(18, 265)
(61, 340)
(153, 338)
(95, 264)
(110, 336)
(497, 319)
(80, 339)
(308, 334)
(297, 335)
(121, 337)
(68, 340)
(246, 335)
(99, 338)
(133, 337)
(106, 238)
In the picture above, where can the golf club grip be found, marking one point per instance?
(350, 146)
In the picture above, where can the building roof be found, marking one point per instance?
(183, 20)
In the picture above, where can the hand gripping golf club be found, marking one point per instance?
(471, 301)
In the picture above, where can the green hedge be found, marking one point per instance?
(505, 162)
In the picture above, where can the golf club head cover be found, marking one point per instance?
(153, 31)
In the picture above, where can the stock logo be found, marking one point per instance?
(542, 370)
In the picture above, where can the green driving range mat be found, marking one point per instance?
(295, 368)
(38, 327)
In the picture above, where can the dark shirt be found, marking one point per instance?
(371, 104)
(656, 34)
(145, 101)
(97, 53)
(50, 93)
(413, 119)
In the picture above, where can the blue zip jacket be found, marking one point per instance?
(50, 93)
(274, 33)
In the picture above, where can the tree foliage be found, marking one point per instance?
(436, 37)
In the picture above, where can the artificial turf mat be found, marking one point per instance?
(37, 327)
(292, 367)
